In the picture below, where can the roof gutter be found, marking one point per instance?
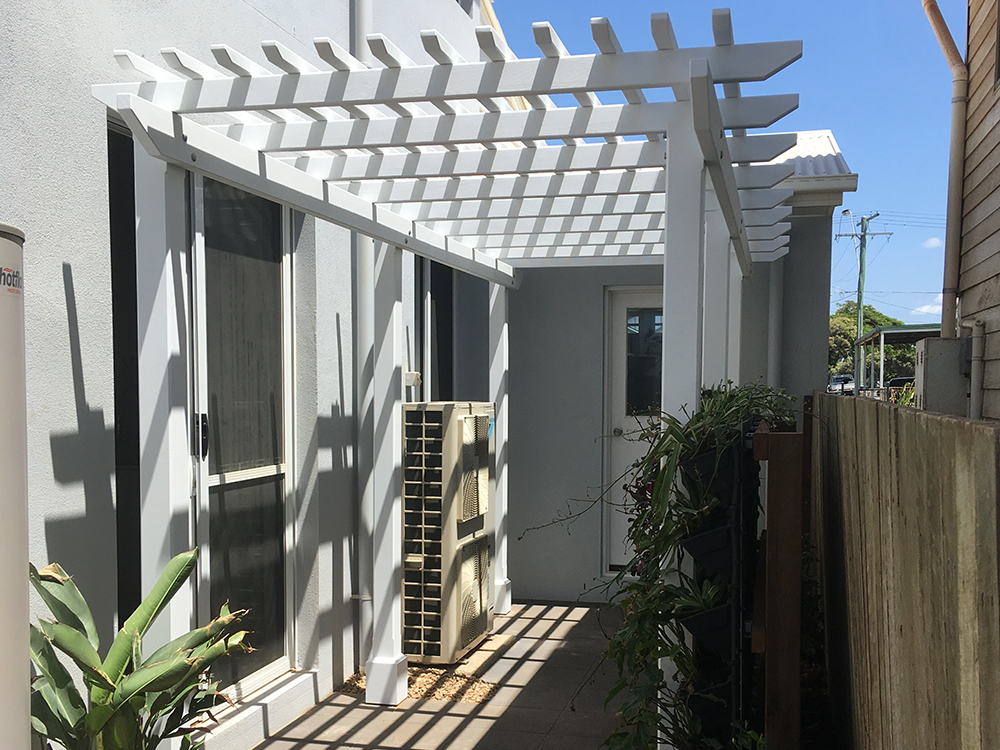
(956, 168)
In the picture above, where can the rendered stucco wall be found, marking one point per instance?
(55, 188)
(806, 314)
(556, 421)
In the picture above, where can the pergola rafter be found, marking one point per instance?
(471, 162)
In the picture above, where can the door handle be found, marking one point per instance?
(617, 432)
(204, 436)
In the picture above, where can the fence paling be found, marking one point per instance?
(906, 513)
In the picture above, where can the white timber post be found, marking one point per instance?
(715, 336)
(775, 321)
(15, 713)
(165, 465)
(499, 366)
(735, 316)
(683, 270)
(363, 251)
(386, 667)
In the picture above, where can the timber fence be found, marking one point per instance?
(904, 512)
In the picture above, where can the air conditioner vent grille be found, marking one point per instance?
(475, 467)
(422, 532)
(475, 566)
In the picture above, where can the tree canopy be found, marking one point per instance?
(899, 358)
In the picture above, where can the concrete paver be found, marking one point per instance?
(551, 695)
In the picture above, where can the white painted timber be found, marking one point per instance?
(450, 192)
(715, 345)
(499, 392)
(192, 146)
(517, 255)
(590, 156)
(386, 668)
(495, 127)
(530, 242)
(471, 80)
(683, 272)
(768, 232)
(435, 214)
(546, 224)
(586, 157)
(709, 132)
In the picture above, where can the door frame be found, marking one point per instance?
(201, 483)
(607, 471)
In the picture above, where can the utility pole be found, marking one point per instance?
(862, 238)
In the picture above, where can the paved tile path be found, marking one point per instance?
(552, 689)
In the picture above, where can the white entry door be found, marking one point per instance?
(632, 391)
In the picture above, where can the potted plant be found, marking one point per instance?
(681, 498)
(135, 701)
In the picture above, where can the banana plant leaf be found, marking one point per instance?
(120, 653)
(64, 600)
(75, 645)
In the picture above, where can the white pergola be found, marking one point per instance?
(472, 164)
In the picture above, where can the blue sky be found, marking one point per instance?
(871, 72)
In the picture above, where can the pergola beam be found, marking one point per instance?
(641, 204)
(193, 146)
(576, 74)
(709, 129)
(570, 158)
(497, 127)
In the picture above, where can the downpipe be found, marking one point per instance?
(978, 328)
(956, 168)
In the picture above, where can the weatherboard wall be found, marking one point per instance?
(979, 280)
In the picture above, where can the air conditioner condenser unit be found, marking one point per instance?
(448, 487)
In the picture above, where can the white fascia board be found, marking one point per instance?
(167, 136)
(451, 192)
(488, 162)
(566, 239)
(520, 208)
(472, 80)
(710, 132)
(497, 127)
(517, 224)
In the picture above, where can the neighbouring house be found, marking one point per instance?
(242, 257)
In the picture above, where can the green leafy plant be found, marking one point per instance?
(135, 702)
(668, 503)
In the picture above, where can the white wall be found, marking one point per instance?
(55, 188)
(556, 422)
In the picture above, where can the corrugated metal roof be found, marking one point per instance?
(816, 155)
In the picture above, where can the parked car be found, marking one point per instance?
(841, 384)
(900, 382)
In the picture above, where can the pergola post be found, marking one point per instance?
(715, 348)
(683, 271)
(499, 365)
(735, 316)
(386, 667)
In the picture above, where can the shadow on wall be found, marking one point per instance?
(85, 545)
(326, 512)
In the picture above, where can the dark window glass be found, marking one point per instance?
(247, 569)
(243, 318)
(125, 322)
(644, 360)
